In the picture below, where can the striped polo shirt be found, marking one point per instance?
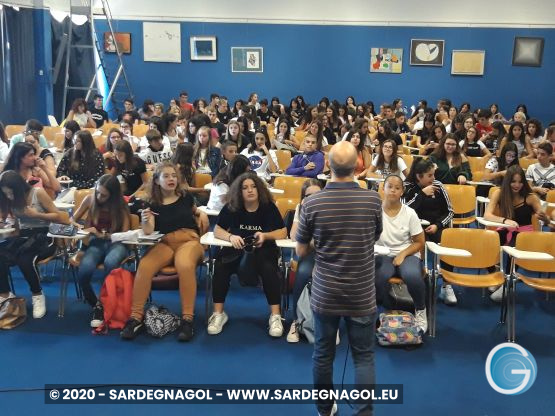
(344, 220)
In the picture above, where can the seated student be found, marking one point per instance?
(215, 124)
(183, 160)
(496, 167)
(400, 125)
(403, 235)
(24, 160)
(83, 163)
(80, 114)
(129, 107)
(173, 213)
(33, 211)
(363, 156)
(428, 197)
(387, 162)
(427, 132)
(283, 139)
(384, 133)
(155, 153)
(304, 268)
(69, 129)
(452, 164)
(541, 175)
(250, 213)
(33, 127)
(329, 136)
(534, 133)
(517, 136)
(229, 152)
(126, 128)
(169, 130)
(428, 146)
(263, 160)
(129, 168)
(483, 126)
(310, 163)
(234, 134)
(223, 180)
(106, 213)
(264, 113)
(154, 123)
(206, 157)
(473, 147)
(513, 204)
(98, 114)
(42, 153)
(107, 149)
(224, 115)
(493, 139)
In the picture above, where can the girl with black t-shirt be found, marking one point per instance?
(172, 213)
(473, 147)
(129, 168)
(251, 222)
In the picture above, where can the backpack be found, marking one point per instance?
(159, 321)
(305, 318)
(12, 312)
(398, 328)
(116, 295)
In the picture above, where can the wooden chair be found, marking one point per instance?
(537, 254)
(550, 199)
(13, 129)
(202, 179)
(284, 159)
(270, 127)
(50, 133)
(80, 195)
(99, 141)
(106, 127)
(477, 164)
(408, 160)
(463, 201)
(58, 141)
(285, 205)
(139, 130)
(362, 183)
(525, 162)
(474, 249)
(291, 185)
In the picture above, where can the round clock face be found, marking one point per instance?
(427, 52)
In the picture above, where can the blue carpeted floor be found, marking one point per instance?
(444, 377)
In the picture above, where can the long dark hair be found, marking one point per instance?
(287, 135)
(3, 135)
(350, 135)
(130, 162)
(419, 167)
(18, 152)
(441, 154)
(263, 131)
(183, 159)
(506, 207)
(74, 127)
(380, 162)
(239, 165)
(115, 204)
(307, 184)
(109, 147)
(510, 134)
(236, 202)
(501, 161)
(20, 189)
(77, 157)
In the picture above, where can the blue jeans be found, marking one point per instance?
(99, 252)
(361, 332)
(411, 273)
(302, 277)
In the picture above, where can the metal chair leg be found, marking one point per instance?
(10, 279)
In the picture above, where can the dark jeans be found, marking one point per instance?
(361, 333)
(266, 266)
(302, 277)
(411, 273)
(99, 252)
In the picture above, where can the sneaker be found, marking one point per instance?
(216, 323)
(276, 327)
(447, 295)
(293, 335)
(39, 306)
(132, 328)
(97, 316)
(421, 320)
(333, 410)
(497, 296)
(185, 331)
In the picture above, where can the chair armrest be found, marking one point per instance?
(488, 223)
(286, 243)
(446, 251)
(482, 199)
(526, 255)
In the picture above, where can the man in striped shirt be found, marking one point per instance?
(344, 221)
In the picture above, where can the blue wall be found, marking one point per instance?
(334, 61)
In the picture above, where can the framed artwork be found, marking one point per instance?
(247, 59)
(203, 48)
(528, 51)
(386, 60)
(427, 52)
(468, 62)
(123, 40)
(162, 42)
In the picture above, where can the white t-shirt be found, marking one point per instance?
(398, 230)
(400, 164)
(143, 144)
(4, 150)
(540, 175)
(259, 162)
(217, 196)
(152, 157)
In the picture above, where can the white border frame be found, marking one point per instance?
(194, 57)
(427, 40)
(247, 48)
(483, 52)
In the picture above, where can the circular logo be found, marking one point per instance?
(510, 369)
(54, 394)
(256, 161)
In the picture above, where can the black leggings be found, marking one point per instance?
(266, 265)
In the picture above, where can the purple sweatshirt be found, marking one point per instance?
(299, 161)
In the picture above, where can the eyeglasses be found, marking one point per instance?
(451, 144)
(33, 132)
(388, 147)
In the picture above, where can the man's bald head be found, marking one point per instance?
(343, 159)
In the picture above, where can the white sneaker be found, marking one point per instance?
(333, 410)
(497, 296)
(216, 323)
(293, 335)
(421, 320)
(39, 306)
(447, 295)
(276, 327)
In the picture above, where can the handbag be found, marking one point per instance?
(13, 312)
(62, 229)
(159, 321)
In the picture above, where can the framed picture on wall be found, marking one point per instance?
(247, 59)
(386, 60)
(203, 48)
(426, 52)
(468, 62)
(123, 40)
(528, 51)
